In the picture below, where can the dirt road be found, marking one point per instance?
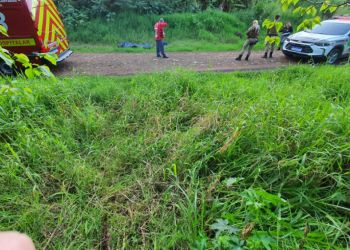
(133, 63)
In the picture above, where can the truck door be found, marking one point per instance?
(50, 26)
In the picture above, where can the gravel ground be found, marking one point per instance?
(113, 64)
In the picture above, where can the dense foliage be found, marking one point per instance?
(13, 63)
(211, 26)
(179, 160)
(112, 22)
(76, 12)
(159, 6)
(210, 30)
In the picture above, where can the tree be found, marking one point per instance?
(312, 10)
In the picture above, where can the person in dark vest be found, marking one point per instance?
(286, 31)
(252, 39)
(273, 32)
(159, 36)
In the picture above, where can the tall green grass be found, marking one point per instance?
(210, 30)
(205, 31)
(208, 26)
(179, 160)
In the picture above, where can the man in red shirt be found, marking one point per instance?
(160, 35)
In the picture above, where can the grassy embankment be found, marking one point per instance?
(207, 31)
(179, 160)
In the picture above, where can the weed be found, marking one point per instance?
(179, 160)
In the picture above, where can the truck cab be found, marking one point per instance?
(34, 27)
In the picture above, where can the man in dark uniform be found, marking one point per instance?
(273, 32)
(252, 39)
(286, 31)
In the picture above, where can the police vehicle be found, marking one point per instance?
(329, 41)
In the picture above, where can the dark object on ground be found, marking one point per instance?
(134, 45)
(239, 34)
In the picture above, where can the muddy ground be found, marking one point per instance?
(115, 64)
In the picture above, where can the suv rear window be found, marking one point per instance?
(331, 28)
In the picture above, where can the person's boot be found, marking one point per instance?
(265, 55)
(270, 55)
(165, 56)
(247, 57)
(238, 58)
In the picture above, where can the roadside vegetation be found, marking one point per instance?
(101, 28)
(206, 31)
(179, 160)
(210, 30)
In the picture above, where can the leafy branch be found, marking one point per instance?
(20, 63)
(312, 9)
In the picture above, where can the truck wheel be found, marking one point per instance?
(6, 70)
(333, 56)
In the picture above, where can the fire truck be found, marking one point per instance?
(34, 28)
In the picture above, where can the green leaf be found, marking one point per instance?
(5, 56)
(279, 26)
(264, 238)
(266, 23)
(222, 226)
(301, 26)
(29, 72)
(274, 199)
(231, 181)
(285, 7)
(332, 9)
(22, 59)
(317, 20)
(3, 30)
(324, 7)
(313, 11)
(45, 71)
(28, 90)
(297, 10)
(52, 58)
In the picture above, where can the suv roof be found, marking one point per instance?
(342, 18)
(338, 21)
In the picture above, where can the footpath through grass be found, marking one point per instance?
(179, 160)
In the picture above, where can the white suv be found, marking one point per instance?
(329, 40)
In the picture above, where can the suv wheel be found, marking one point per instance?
(333, 56)
(5, 70)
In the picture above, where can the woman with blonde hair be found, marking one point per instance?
(252, 39)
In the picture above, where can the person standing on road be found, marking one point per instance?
(159, 36)
(252, 39)
(271, 33)
(286, 31)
